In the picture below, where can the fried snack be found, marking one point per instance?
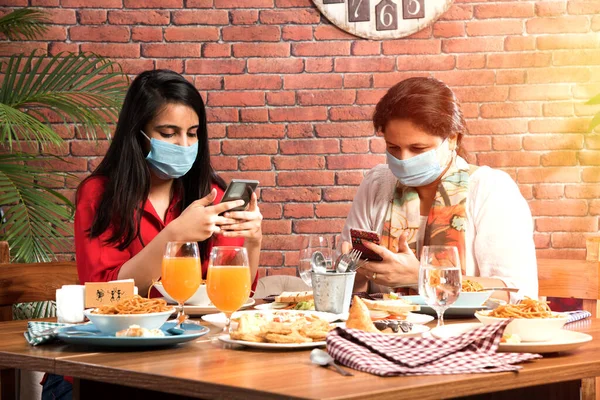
(317, 331)
(397, 306)
(294, 337)
(359, 317)
(249, 329)
(471, 286)
(134, 305)
(281, 327)
(527, 308)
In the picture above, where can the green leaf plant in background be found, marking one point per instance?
(596, 120)
(80, 89)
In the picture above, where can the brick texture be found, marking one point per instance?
(289, 99)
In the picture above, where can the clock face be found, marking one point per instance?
(382, 19)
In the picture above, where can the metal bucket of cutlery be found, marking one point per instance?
(332, 291)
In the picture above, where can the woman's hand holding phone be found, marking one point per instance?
(246, 224)
(394, 269)
(200, 220)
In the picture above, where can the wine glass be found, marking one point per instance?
(314, 250)
(181, 273)
(228, 281)
(440, 278)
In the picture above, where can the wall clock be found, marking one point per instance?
(382, 19)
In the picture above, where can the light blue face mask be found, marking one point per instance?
(419, 170)
(168, 160)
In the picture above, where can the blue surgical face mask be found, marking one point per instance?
(421, 169)
(168, 160)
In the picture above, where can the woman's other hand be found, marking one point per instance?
(246, 224)
(396, 269)
(200, 220)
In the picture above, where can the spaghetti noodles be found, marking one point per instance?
(527, 308)
(134, 305)
(471, 286)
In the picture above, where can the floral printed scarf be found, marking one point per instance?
(446, 221)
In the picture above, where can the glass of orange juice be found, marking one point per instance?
(228, 281)
(181, 272)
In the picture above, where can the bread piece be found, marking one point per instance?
(359, 317)
(294, 297)
(398, 307)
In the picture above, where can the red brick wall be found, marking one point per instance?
(290, 97)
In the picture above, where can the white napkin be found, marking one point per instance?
(70, 300)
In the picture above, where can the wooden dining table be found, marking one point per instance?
(208, 368)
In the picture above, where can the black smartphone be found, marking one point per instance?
(239, 189)
(357, 236)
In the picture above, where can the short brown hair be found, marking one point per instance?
(427, 102)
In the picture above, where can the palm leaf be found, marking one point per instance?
(36, 215)
(595, 121)
(84, 89)
(24, 23)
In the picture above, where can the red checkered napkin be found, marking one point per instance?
(389, 355)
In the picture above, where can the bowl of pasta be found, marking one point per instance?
(532, 320)
(472, 294)
(136, 310)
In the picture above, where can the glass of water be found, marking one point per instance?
(440, 278)
(315, 250)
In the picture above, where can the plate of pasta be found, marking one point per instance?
(135, 310)
(532, 320)
(563, 340)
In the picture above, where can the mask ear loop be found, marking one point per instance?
(145, 135)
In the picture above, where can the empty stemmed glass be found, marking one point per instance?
(440, 278)
(315, 250)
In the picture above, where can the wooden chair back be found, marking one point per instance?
(20, 283)
(579, 279)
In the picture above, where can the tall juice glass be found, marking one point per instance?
(228, 281)
(181, 272)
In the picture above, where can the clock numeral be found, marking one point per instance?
(359, 10)
(386, 14)
(333, 1)
(412, 9)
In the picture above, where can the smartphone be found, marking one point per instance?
(239, 189)
(357, 236)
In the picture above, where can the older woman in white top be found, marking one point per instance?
(428, 195)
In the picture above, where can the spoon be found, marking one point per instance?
(319, 357)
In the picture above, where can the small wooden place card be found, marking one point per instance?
(107, 293)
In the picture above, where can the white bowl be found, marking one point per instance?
(528, 329)
(200, 298)
(110, 324)
(472, 299)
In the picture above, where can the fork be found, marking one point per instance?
(346, 260)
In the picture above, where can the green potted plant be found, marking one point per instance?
(81, 89)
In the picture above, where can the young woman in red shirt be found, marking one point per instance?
(156, 184)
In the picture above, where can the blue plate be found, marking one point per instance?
(89, 335)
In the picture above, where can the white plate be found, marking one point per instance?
(452, 311)
(418, 319)
(201, 310)
(218, 320)
(565, 340)
(227, 339)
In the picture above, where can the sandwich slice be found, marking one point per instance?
(395, 307)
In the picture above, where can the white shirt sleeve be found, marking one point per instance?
(503, 232)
